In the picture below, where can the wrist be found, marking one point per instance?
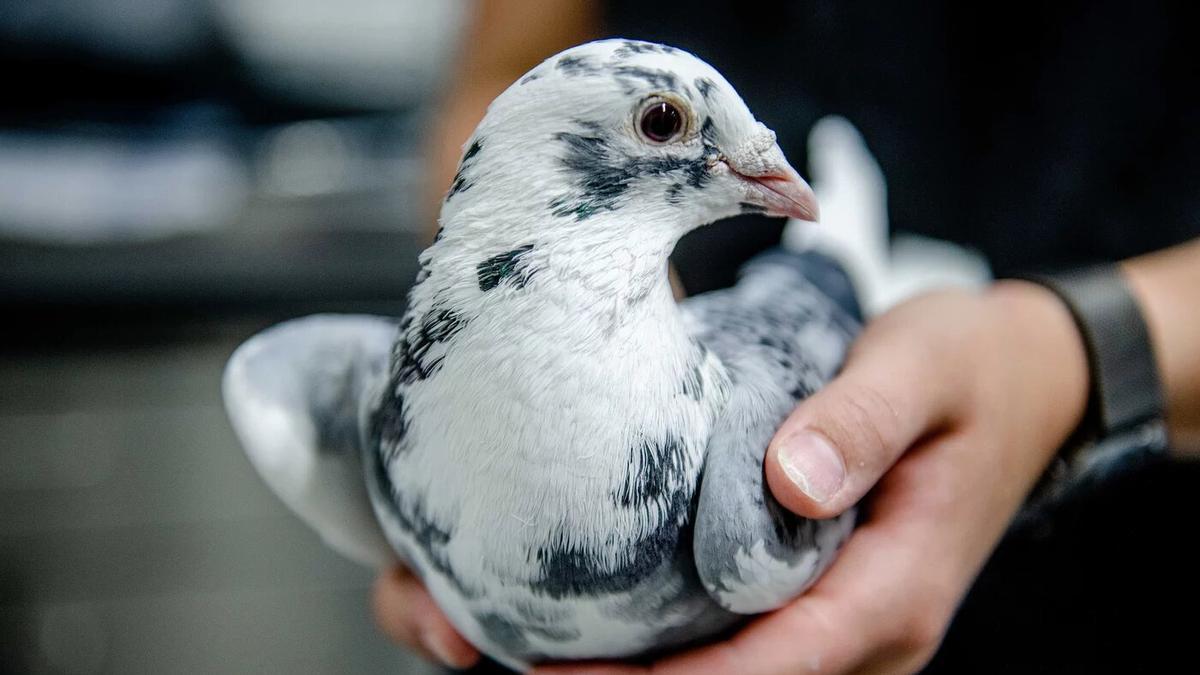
(1050, 367)
(1165, 284)
(1122, 419)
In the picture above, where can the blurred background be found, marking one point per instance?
(175, 175)
(178, 174)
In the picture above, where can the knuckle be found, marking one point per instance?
(379, 598)
(389, 610)
(920, 635)
(865, 423)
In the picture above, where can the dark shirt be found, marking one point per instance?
(1048, 135)
(1045, 136)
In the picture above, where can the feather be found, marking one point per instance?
(780, 333)
(571, 461)
(294, 395)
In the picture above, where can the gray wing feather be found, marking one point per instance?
(296, 395)
(779, 337)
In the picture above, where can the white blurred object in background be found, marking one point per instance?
(852, 192)
(368, 53)
(70, 189)
(347, 75)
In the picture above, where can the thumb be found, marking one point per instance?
(836, 444)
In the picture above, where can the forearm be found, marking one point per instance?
(1167, 284)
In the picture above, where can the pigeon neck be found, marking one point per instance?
(586, 282)
(603, 295)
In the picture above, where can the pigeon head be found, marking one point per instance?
(622, 140)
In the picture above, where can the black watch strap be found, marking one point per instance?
(1123, 422)
(1125, 389)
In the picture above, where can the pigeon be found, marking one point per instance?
(569, 458)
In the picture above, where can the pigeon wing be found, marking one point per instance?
(781, 332)
(298, 395)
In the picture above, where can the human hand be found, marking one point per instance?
(950, 406)
(406, 613)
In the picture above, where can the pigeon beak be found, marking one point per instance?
(772, 184)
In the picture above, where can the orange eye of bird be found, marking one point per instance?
(661, 122)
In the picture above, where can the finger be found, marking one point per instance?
(897, 385)
(406, 612)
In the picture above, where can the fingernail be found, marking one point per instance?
(813, 465)
(440, 649)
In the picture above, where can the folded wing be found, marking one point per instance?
(781, 333)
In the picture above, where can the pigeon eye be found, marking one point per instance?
(661, 122)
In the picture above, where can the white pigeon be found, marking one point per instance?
(570, 460)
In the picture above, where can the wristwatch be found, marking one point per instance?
(1124, 422)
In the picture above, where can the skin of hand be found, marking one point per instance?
(1167, 286)
(407, 614)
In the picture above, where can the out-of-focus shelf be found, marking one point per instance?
(196, 288)
(226, 272)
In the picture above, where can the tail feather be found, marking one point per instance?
(852, 191)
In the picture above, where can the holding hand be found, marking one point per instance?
(406, 612)
(950, 406)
